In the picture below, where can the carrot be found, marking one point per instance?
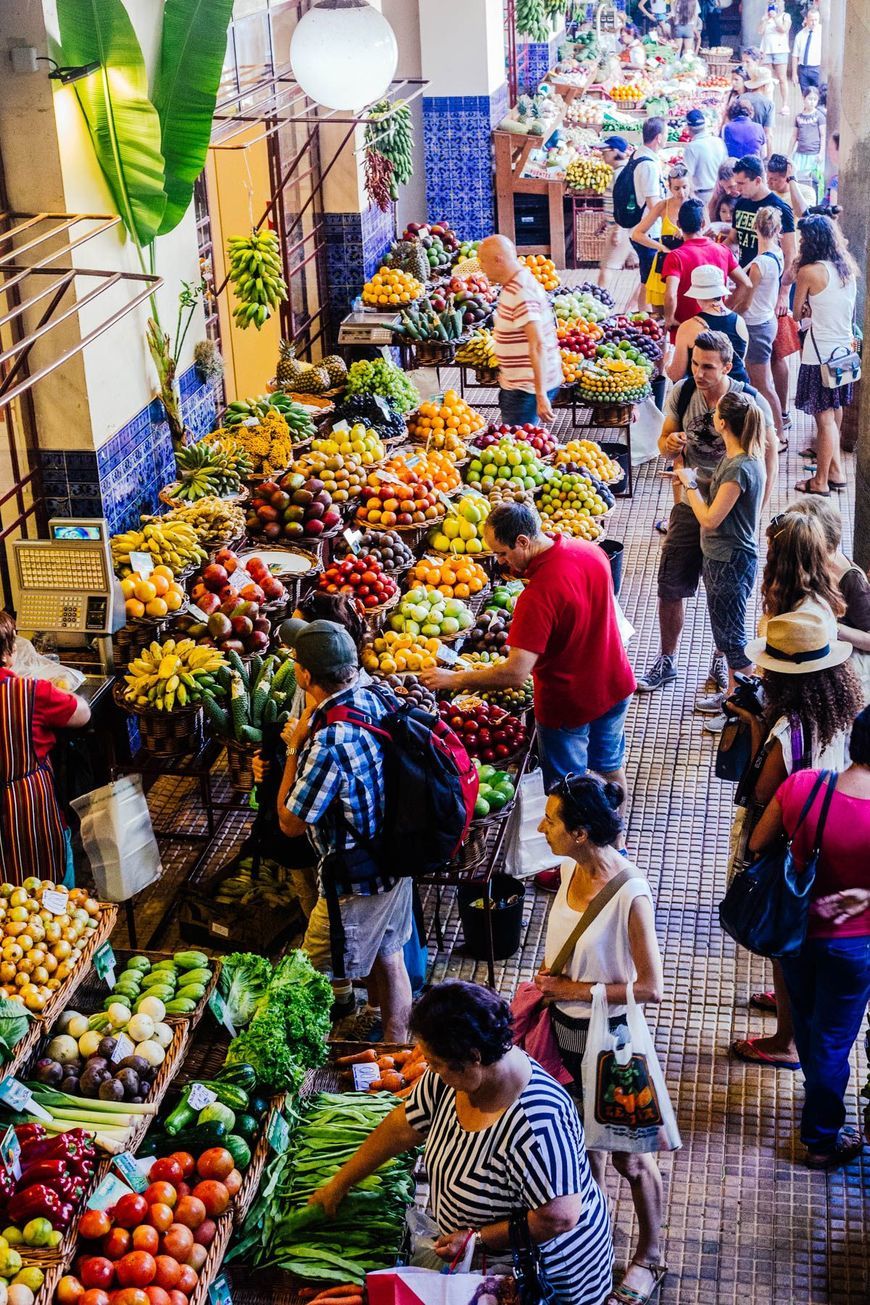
(367, 1057)
(413, 1072)
(385, 1062)
(402, 1057)
(405, 1091)
(340, 1289)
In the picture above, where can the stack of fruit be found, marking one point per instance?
(625, 352)
(462, 529)
(612, 380)
(509, 491)
(146, 987)
(538, 437)
(243, 411)
(154, 595)
(296, 508)
(392, 503)
(41, 948)
(407, 686)
(580, 336)
(627, 92)
(478, 352)
(543, 269)
(204, 470)
(236, 625)
(515, 700)
(392, 652)
(172, 674)
(390, 287)
(590, 456)
(506, 460)
(439, 242)
(589, 174)
(228, 576)
(375, 413)
(215, 520)
(489, 634)
(361, 577)
(495, 790)
(473, 283)
(385, 546)
(487, 731)
(578, 305)
(252, 698)
(173, 544)
(572, 365)
(468, 249)
(641, 331)
(444, 424)
(381, 378)
(436, 465)
(429, 614)
(504, 596)
(357, 441)
(266, 443)
(453, 577)
(343, 476)
(568, 504)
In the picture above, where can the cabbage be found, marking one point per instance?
(244, 978)
(14, 1021)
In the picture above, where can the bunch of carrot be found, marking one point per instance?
(399, 1069)
(344, 1293)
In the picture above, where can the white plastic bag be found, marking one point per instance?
(646, 427)
(26, 661)
(626, 1106)
(527, 851)
(118, 837)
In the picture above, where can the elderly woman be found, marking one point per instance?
(32, 840)
(501, 1137)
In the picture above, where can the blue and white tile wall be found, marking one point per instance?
(458, 152)
(355, 245)
(123, 478)
(535, 59)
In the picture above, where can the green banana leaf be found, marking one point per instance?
(191, 60)
(123, 123)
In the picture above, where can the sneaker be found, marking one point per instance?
(709, 704)
(718, 673)
(549, 881)
(715, 724)
(662, 671)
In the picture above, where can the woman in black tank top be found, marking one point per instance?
(712, 316)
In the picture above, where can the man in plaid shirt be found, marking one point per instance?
(333, 788)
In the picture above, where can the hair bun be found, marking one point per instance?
(614, 794)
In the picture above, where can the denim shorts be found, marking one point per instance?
(776, 59)
(761, 338)
(645, 257)
(597, 746)
(521, 406)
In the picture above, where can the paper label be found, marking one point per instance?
(341, 426)
(197, 612)
(279, 1133)
(364, 1075)
(20, 1098)
(104, 963)
(55, 900)
(353, 538)
(221, 930)
(10, 1152)
(414, 460)
(239, 578)
(446, 656)
(123, 1048)
(128, 1167)
(387, 477)
(108, 1193)
(219, 1292)
(218, 1008)
(143, 563)
(200, 1097)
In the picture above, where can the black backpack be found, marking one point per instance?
(688, 388)
(626, 210)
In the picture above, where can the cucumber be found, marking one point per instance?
(195, 1139)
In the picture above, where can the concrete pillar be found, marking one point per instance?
(752, 13)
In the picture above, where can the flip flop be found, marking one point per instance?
(752, 1056)
(783, 444)
(662, 525)
(803, 487)
(849, 1146)
(763, 1000)
(806, 453)
(838, 485)
(623, 1295)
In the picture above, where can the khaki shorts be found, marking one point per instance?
(681, 560)
(617, 247)
(374, 926)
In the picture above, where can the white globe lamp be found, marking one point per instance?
(344, 54)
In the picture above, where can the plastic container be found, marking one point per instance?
(615, 551)
(507, 920)
(619, 454)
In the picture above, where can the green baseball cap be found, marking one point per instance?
(320, 646)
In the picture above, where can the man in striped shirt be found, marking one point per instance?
(524, 336)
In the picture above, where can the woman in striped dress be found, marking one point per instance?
(501, 1137)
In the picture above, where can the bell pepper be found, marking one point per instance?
(40, 1202)
(76, 1147)
(29, 1132)
(57, 1175)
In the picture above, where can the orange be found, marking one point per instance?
(145, 591)
(157, 607)
(134, 608)
(160, 583)
(128, 586)
(174, 599)
(165, 571)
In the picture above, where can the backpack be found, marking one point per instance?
(431, 787)
(626, 210)
(688, 388)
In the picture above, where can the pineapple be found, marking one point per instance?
(311, 380)
(409, 256)
(336, 369)
(289, 366)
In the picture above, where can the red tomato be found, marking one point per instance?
(160, 1217)
(204, 1234)
(186, 1160)
(93, 1224)
(146, 1238)
(161, 1193)
(130, 1296)
(188, 1280)
(130, 1210)
(216, 1162)
(183, 1189)
(157, 1296)
(167, 1169)
(168, 1272)
(177, 1298)
(69, 1290)
(197, 1257)
(137, 1269)
(96, 1271)
(178, 1241)
(190, 1211)
(115, 1243)
(214, 1197)
(94, 1297)
(233, 1182)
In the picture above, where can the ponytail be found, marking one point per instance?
(745, 420)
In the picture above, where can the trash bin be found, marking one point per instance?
(615, 551)
(619, 454)
(508, 896)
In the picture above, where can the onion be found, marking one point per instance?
(141, 1027)
(151, 1051)
(63, 1049)
(162, 1033)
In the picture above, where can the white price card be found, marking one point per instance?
(108, 1193)
(341, 426)
(200, 1097)
(123, 1048)
(354, 538)
(239, 578)
(364, 1076)
(446, 656)
(128, 1167)
(55, 900)
(197, 612)
(10, 1151)
(20, 1098)
(143, 563)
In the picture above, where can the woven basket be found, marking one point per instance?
(608, 414)
(487, 376)
(165, 733)
(247, 1193)
(166, 497)
(128, 642)
(213, 1261)
(590, 226)
(92, 992)
(412, 535)
(240, 765)
(436, 353)
(293, 581)
(718, 65)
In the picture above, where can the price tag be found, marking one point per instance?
(197, 612)
(200, 1097)
(353, 538)
(414, 460)
(123, 1048)
(239, 578)
(128, 1167)
(446, 656)
(143, 563)
(388, 477)
(279, 1133)
(251, 421)
(20, 1098)
(341, 426)
(108, 1193)
(55, 900)
(104, 963)
(220, 929)
(364, 1075)
(10, 1152)
(218, 1008)
(219, 1292)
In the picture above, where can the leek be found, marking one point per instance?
(50, 1099)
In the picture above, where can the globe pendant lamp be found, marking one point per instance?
(344, 54)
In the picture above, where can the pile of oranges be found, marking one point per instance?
(154, 596)
(454, 577)
(627, 91)
(446, 424)
(572, 365)
(436, 465)
(391, 286)
(543, 269)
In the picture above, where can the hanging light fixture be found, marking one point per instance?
(344, 54)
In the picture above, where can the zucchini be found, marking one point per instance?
(196, 1139)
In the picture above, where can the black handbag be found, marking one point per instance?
(533, 1285)
(766, 907)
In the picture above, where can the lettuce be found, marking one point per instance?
(244, 979)
(14, 1023)
(289, 1029)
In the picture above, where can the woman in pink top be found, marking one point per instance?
(829, 980)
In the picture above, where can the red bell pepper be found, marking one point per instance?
(57, 1175)
(29, 1132)
(40, 1202)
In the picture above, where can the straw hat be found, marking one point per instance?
(760, 81)
(797, 643)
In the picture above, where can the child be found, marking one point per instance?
(807, 140)
(720, 230)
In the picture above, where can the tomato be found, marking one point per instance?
(96, 1271)
(116, 1243)
(188, 1280)
(204, 1235)
(160, 1217)
(94, 1224)
(161, 1193)
(130, 1296)
(216, 1162)
(130, 1210)
(69, 1290)
(157, 1296)
(177, 1298)
(183, 1189)
(197, 1257)
(146, 1238)
(214, 1196)
(94, 1296)
(177, 1241)
(186, 1160)
(137, 1269)
(167, 1169)
(190, 1211)
(233, 1182)
(168, 1271)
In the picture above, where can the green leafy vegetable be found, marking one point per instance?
(14, 1023)
(290, 1026)
(244, 978)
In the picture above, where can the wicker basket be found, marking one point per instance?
(487, 376)
(128, 642)
(718, 65)
(293, 581)
(213, 1261)
(165, 733)
(590, 226)
(436, 353)
(247, 1193)
(92, 992)
(165, 497)
(412, 535)
(608, 414)
(240, 765)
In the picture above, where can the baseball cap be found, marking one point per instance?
(320, 646)
(695, 118)
(612, 143)
(708, 283)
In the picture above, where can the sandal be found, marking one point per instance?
(806, 453)
(783, 444)
(838, 485)
(746, 1050)
(763, 1000)
(662, 525)
(628, 1296)
(803, 487)
(786, 421)
(848, 1147)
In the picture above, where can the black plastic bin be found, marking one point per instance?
(507, 920)
(615, 551)
(619, 454)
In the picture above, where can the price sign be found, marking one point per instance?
(353, 538)
(388, 477)
(20, 1098)
(143, 563)
(128, 1167)
(414, 460)
(364, 1075)
(239, 578)
(200, 1097)
(218, 1008)
(341, 426)
(104, 963)
(279, 1133)
(221, 930)
(108, 1193)
(55, 900)
(123, 1048)
(10, 1152)
(197, 612)
(219, 1292)
(446, 656)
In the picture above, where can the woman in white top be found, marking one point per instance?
(620, 947)
(765, 273)
(774, 30)
(825, 291)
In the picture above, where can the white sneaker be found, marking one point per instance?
(715, 724)
(709, 704)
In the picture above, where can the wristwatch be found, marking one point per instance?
(791, 179)
(292, 752)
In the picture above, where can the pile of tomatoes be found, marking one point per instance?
(149, 1248)
(362, 577)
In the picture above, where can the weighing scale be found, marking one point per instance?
(370, 329)
(66, 586)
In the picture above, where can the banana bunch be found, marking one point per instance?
(215, 521)
(243, 888)
(242, 411)
(531, 20)
(478, 351)
(173, 674)
(171, 543)
(206, 471)
(389, 133)
(256, 276)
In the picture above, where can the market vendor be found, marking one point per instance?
(32, 838)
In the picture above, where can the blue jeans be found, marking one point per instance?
(828, 989)
(645, 257)
(598, 746)
(729, 588)
(519, 406)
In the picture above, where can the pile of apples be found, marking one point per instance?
(428, 613)
(362, 577)
(580, 337)
(487, 731)
(393, 503)
(235, 621)
(538, 437)
(295, 508)
(505, 460)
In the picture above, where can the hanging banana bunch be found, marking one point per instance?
(389, 133)
(256, 277)
(555, 8)
(531, 20)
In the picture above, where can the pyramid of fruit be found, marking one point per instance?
(445, 424)
(362, 577)
(591, 456)
(343, 476)
(377, 377)
(543, 269)
(154, 595)
(588, 174)
(453, 577)
(295, 508)
(439, 242)
(387, 546)
(569, 503)
(461, 531)
(508, 459)
(580, 336)
(578, 305)
(572, 364)
(390, 286)
(391, 502)
(612, 380)
(392, 652)
(358, 442)
(428, 613)
(538, 437)
(436, 465)
(408, 256)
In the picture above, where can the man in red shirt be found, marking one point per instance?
(565, 635)
(695, 251)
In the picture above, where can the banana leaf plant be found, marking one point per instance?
(150, 143)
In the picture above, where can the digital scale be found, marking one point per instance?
(371, 329)
(66, 585)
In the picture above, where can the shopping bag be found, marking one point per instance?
(646, 427)
(118, 838)
(788, 338)
(418, 1286)
(527, 851)
(626, 1106)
